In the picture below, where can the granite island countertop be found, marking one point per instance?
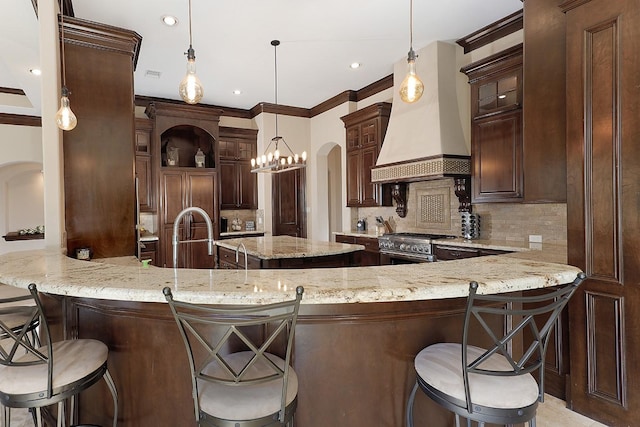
(126, 279)
(279, 247)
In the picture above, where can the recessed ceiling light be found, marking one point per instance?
(237, 92)
(170, 20)
(355, 65)
(35, 71)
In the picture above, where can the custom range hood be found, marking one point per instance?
(425, 140)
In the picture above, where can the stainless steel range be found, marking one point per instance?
(407, 248)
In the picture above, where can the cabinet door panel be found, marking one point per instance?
(199, 251)
(173, 195)
(497, 158)
(368, 190)
(201, 194)
(247, 185)
(143, 173)
(353, 178)
(228, 185)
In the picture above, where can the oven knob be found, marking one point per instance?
(414, 248)
(402, 246)
(420, 248)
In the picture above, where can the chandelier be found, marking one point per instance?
(412, 87)
(65, 119)
(276, 162)
(190, 88)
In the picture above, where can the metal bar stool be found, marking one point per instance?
(492, 385)
(238, 377)
(34, 376)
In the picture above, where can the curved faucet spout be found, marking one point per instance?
(176, 225)
(244, 248)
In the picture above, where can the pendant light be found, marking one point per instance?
(65, 119)
(411, 88)
(276, 162)
(190, 88)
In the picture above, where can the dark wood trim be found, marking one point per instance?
(195, 112)
(285, 110)
(12, 91)
(144, 101)
(101, 36)
(20, 120)
(346, 96)
(14, 235)
(498, 62)
(375, 87)
(492, 32)
(572, 4)
(231, 132)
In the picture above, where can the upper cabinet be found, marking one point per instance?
(496, 127)
(144, 129)
(238, 185)
(365, 130)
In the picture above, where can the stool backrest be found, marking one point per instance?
(213, 333)
(527, 319)
(17, 348)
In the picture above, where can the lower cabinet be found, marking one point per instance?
(371, 254)
(149, 250)
(227, 260)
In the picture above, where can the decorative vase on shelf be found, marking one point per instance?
(173, 156)
(199, 159)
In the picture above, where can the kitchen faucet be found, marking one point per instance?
(244, 248)
(176, 224)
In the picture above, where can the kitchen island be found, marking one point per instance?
(357, 334)
(284, 252)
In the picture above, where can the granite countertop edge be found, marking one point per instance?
(125, 279)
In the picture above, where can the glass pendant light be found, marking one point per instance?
(65, 119)
(191, 90)
(412, 87)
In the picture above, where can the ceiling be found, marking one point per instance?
(319, 40)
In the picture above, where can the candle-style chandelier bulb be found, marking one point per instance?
(65, 119)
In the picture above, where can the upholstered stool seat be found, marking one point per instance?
(34, 375)
(74, 360)
(493, 384)
(248, 402)
(240, 361)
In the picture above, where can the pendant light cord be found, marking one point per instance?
(190, 35)
(64, 74)
(411, 24)
(275, 44)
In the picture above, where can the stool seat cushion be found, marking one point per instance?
(72, 361)
(440, 366)
(244, 402)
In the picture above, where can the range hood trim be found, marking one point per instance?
(423, 169)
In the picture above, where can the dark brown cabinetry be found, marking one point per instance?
(149, 250)
(603, 196)
(185, 129)
(238, 185)
(496, 127)
(144, 171)
(227, 260)
(365, 130)
(369, 256)
(99, 184)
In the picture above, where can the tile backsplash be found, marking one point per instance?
(498, 221)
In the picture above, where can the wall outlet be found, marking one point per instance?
(535, 238)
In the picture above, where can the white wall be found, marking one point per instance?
(21, 184)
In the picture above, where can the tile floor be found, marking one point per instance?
(552, 413)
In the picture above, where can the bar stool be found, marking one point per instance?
(34, 376)
(238, 379)
(491, 385)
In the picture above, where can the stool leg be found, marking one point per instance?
(412, 397)
(114, 394)
(532, 422)
(39, 416)
(6, 416)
